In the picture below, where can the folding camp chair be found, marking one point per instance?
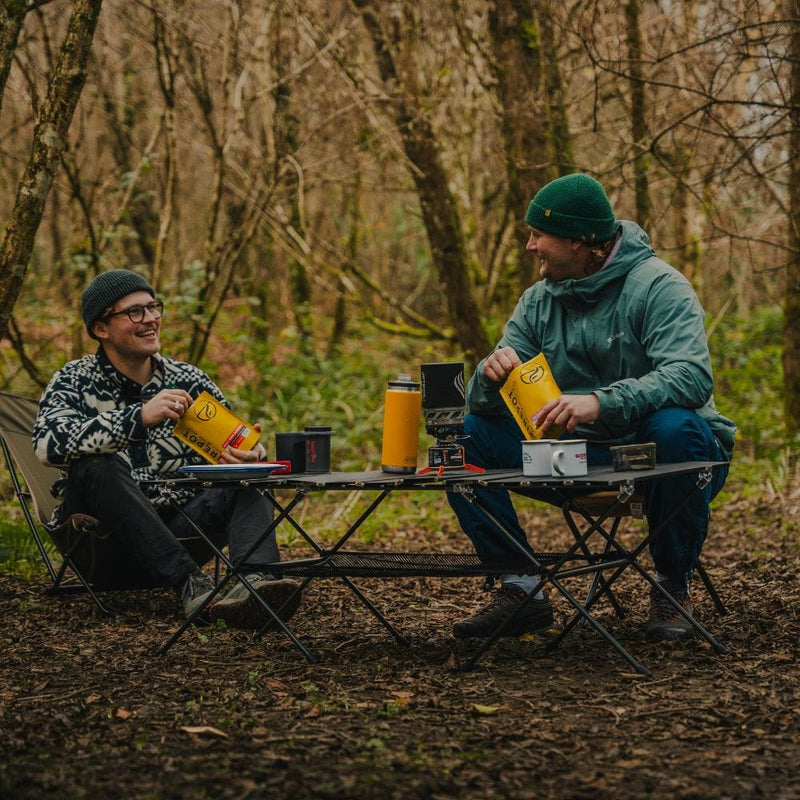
(31, 481)
(88, 563)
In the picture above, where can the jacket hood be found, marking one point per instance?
(632, 247)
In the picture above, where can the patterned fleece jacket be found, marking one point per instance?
(90, 408)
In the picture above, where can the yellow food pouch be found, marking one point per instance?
(209, 427)
(527, 388)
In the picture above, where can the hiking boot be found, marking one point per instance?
(665, 622)
(193, 591)
(536, 616)
(239, 609)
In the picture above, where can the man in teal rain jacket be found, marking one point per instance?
(624, 335)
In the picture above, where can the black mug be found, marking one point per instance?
(291, 447)
(318, 449)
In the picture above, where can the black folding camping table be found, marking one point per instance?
(595, 550)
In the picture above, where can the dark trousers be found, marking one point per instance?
(679, 434)
(142, 546)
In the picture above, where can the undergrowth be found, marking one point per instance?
(286, 391)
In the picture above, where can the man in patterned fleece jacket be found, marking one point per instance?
(106, 420)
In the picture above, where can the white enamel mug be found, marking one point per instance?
(536, 457)
(568, 458)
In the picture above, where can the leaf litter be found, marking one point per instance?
(87, 709)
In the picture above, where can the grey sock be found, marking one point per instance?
(524, 582)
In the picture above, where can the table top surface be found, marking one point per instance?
(596, 477)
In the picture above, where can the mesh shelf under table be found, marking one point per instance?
(353, 564)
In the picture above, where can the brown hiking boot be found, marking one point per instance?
(536, 616)
(239, 609)
(665, 622)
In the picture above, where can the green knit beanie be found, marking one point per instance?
(106, 289)
(575, 207)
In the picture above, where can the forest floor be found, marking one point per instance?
(88, 711)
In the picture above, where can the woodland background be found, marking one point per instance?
(328, 193)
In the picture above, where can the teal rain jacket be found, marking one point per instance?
(633, 334)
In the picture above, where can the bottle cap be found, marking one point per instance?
(404, 381)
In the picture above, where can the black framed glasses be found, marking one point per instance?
(137, 313)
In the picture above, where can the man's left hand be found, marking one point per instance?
(232, 455)
(567, 412)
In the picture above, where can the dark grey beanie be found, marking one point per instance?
(106, 289)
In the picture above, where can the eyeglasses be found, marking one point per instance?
(137, 313)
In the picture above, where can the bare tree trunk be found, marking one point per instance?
(352, 212)
(12, 15)
(439, 211)
(49, 140)
(139, 210)
(166, 58)
(226, 229)
(517, 52)
(286, 143)
(791, 303)
(555, 105)
(638, 113)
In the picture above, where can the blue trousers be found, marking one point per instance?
(679, 434)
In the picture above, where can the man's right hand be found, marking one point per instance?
(500, 363)
(167, 404)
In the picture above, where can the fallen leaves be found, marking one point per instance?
(525, 722)
(485, 711)
(203, 730)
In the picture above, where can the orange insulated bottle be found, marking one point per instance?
(401, 415)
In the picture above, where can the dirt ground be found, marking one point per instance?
(88, 710)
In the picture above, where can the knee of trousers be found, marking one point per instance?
(107, 469)
(249, 500)
(492, 442)
(679, 434)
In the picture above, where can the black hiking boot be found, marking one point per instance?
(536, 616)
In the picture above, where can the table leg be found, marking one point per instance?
(631, 560)
(327, 554)
(233, 572)
(549, 575)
